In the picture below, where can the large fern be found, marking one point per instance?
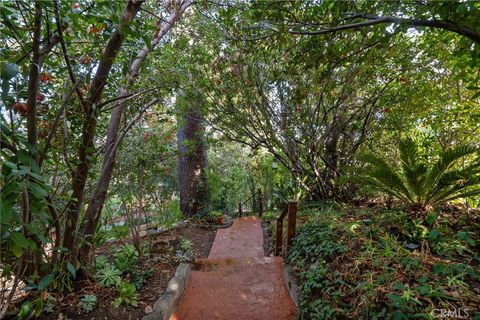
(423, 185)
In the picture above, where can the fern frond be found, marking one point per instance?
(420, 185)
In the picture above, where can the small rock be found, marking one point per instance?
(411, 246)
(367, 221)
(148, 309)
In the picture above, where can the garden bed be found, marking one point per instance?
(358, 263)
(160, 261)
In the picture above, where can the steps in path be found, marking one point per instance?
(237, 281)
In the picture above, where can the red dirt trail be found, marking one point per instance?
(237, 281)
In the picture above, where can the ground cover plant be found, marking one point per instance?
(368, 263)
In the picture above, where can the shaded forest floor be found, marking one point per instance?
(160, 261)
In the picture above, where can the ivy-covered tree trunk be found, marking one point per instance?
(192, 162)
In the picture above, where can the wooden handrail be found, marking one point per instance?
(291, 210)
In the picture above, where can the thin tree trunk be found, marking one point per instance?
(95, 205)
(33, 259)
(88, 133)
(331, 156)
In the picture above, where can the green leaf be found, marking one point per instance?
(431, 218)
(24, 157)
(9, 71)
(39, 304)
(25, 310)
(16, 250)
(10, 165)
(20, 240)
(462, 8)
(5, 213)
(148, 42)
(45, 282)
(433, 235)
(71, 269)
(37, 190)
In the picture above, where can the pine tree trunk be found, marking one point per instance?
(192, 162)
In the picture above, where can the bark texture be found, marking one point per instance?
(192, 162)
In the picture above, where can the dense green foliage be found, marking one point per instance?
(299, 98)
(421, 185)
(359, 265)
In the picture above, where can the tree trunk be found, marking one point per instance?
(331, 157)
(86, 149)
(95, 206)
(192, 162)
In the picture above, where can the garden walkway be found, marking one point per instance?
(237, 281)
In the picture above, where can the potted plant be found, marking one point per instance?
(218, 217)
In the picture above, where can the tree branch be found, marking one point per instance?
(59, 114)
(374, 20)
(65, 56)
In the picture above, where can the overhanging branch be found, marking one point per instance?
(374, 20)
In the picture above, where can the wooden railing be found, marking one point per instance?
(290, 211)
(248, 206)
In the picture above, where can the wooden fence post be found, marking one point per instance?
(239, 209)
(260, 203)
(279, 236)
(292, 221)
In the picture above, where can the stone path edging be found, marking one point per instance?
(292, 285)
(213, 226)
(165, 305)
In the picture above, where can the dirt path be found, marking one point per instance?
(237, 281)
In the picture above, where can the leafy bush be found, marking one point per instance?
(314, 241)
(127, 295)
(108, 276)
(139, 277)
(125, 258)
(314, 244)
(101, 262)
(185, 253)
(420, 184)
(88, 302)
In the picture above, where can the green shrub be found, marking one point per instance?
(421, 184)
(139, 277)
(351, 266)
(88, 302)
(125, 258)
(185, 253)
(127, 295)
(101, 262)
(108, 276)
(313, 242)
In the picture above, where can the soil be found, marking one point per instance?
(160, 261)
